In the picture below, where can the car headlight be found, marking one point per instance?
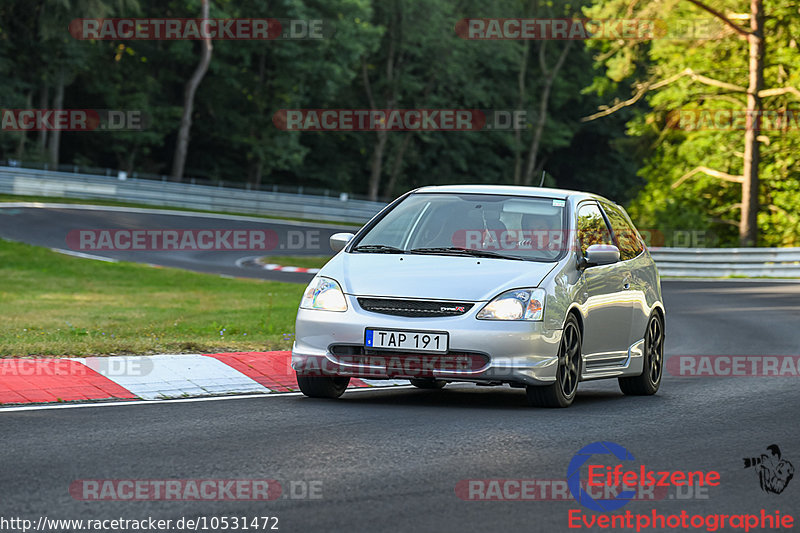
(325, 294)
(517, 304)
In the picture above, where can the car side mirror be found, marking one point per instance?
(339, 241)
(601, 254)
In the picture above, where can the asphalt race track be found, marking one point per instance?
(390, 460)
(50, 227)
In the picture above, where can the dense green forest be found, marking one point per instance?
(600, 113)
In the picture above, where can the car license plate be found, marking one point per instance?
(417, 341)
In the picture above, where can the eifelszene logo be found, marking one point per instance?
(619, 477)
(574, 477)
(774, 472)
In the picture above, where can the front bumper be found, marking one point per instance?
(508, 351)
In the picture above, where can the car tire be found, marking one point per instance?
(322, 386)
(648, 382)
(428, 383)
(562, 392)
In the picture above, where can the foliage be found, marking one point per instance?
(411, 57)
(702, 202)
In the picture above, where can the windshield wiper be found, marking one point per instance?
(379, 249)
(463, 251)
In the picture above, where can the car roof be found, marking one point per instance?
(512, 190)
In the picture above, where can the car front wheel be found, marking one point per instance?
(322, 386)
(562, 392)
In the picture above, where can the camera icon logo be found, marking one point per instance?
(774, 472)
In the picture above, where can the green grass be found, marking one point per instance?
(52, 304)
(304, 261)
(96, 201)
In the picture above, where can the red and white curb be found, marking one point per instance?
(260, 262)
(151, 377)
(281, 268)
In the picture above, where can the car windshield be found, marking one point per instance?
(481, 225)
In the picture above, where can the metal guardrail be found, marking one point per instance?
(23, 181)
(679, 262)
(726, 262)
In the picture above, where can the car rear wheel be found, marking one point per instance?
(428, 383)
(562, 392)
(322, 386)
(649, 380)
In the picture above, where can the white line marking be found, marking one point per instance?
(85, 256)
(123, 403)
(241, 260)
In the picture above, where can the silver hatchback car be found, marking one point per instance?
(531, 287)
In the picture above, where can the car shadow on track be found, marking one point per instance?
(468, 397)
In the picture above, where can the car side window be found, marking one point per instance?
(592, 227)
(627, 239)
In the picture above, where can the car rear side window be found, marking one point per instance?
(592, 227)
(627, 239)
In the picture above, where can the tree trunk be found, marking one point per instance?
(130, 160)
(258, 172)
(748, 224)
(397, 165)
(377, 164)
(523, 71)
(44, 103)
(19, 154)
(182, 144)
(549, 77)
(55, 135)
(533, 153)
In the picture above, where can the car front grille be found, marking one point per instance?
(414, 308)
